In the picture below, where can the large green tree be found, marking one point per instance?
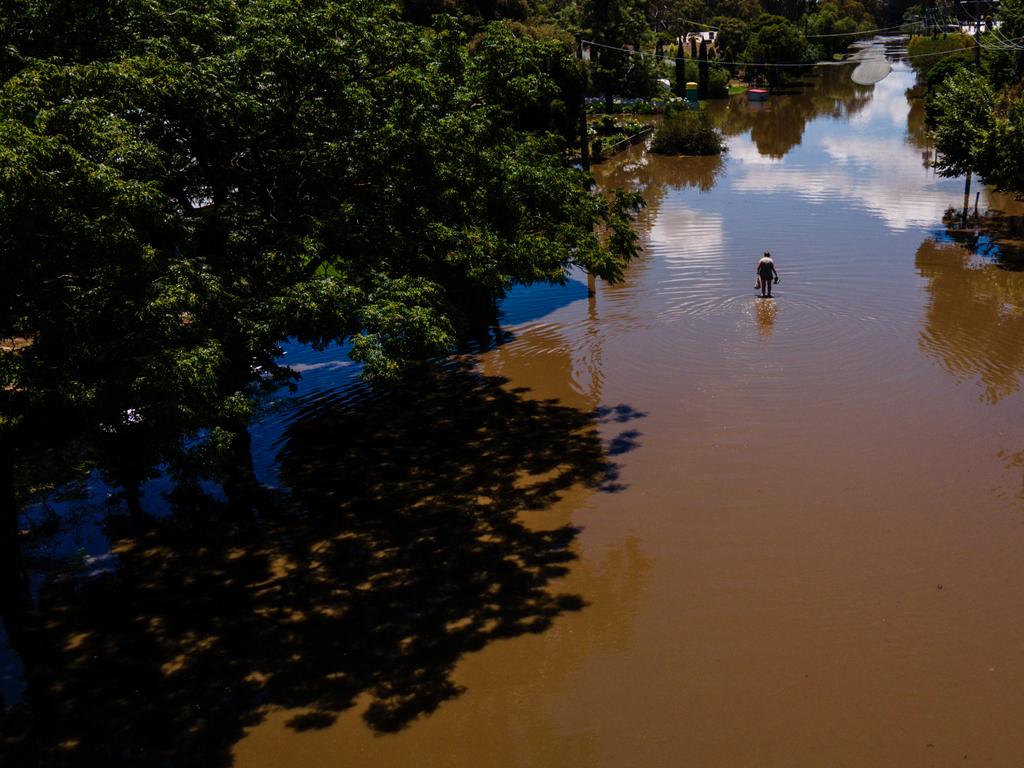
(831, 29)
(616, 25)
(777, 44)
(79, 220)
(1003, 54)
(731, 39)
(189, 186)
(961, 111)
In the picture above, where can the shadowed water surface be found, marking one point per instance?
(403, 545)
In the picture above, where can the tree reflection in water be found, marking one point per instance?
(974, 321)
(654, 176)
(779, 126)
(400, 549)
(996, 235)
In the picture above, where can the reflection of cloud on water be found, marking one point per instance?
(743, 151)
(888, 102)
(872, 154)
(812, 185)
(689, 246)
(682, 233)
(879, 175)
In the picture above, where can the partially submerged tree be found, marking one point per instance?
(961, 111)
(185, 190)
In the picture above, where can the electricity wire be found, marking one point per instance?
(862, 31)
(666, 57)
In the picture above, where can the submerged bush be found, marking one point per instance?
(687, 133)
(718, 82)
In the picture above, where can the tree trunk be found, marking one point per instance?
(967, 198)
(245, 494)
(609, 102)
(133, 499)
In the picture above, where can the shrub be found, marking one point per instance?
(926, 52)
(941, 69)
(687, 133)
(718, 82)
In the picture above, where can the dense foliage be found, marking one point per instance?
(961, 110)
(689, 132)
(776, 41)
(977, 113)
(186, 185)
(925, 51)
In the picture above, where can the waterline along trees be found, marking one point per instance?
(977, 115)
(195, 183)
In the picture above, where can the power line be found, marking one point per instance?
(700, 24)
(1004, 43)
(862, 31)
(666, 57)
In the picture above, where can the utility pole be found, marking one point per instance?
(584, 133)
(977, 63)
(977, 28)
(585, 162)
(977, 35)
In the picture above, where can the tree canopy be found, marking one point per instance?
(185, 185)
(775, 41)
(977, 114)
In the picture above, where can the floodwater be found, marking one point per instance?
(812, 551)
(671, 525)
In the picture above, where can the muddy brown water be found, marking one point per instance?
(812, 554)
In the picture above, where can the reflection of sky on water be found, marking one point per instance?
(888, 107)
(881, 176)
(745, 153)
(526, 303)
(680, 227)
(865, 165)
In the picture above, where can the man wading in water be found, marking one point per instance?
(765, 273)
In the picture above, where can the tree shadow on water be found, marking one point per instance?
(403, 547)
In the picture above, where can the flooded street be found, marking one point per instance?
(811, 552)
(666, 524)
